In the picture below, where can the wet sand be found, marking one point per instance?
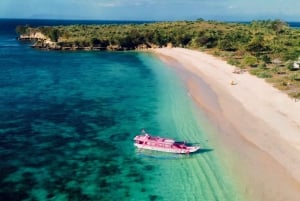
(258, 126)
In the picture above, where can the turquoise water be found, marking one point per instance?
(196, 177)
(67, 120)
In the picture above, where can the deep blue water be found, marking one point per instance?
(294, 24)
(67, 121)
(291, 24)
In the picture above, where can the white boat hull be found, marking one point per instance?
(168, 149)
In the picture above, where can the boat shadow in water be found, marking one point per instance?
(151, 154)
(202, 150)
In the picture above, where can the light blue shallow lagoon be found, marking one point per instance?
(68, 119)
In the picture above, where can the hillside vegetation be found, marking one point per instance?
(268, 49)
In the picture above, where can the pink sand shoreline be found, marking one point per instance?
(256, 120)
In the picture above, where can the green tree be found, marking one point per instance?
(54, 35)
(257, 44)
(279, 26)
(266, 58)
(158, 39)
(94, 42)
(22, 29)
(228, 43)
(250, 60)
(126, 42)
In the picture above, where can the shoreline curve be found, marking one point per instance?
(257, 124)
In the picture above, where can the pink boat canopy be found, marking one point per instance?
(146, 141)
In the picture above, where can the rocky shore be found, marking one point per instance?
(40, 41)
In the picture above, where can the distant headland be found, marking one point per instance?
(268, 49)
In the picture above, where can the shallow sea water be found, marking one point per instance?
(67, 120)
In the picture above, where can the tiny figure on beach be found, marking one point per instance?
(233, 82)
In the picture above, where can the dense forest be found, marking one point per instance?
(268, 49)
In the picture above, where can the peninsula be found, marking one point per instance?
(267, 49)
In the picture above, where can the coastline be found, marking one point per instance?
(258, 125)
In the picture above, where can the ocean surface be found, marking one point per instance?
(68, 119)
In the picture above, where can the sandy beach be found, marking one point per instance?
(258, 125)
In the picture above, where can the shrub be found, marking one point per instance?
(262, 73)
(22, 29)
(233, 62)
(250, 60)
(54, 35)
(262, 65)
(266, 59)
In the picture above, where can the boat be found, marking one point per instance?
(146, 141)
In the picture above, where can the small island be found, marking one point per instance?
(267, 49)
